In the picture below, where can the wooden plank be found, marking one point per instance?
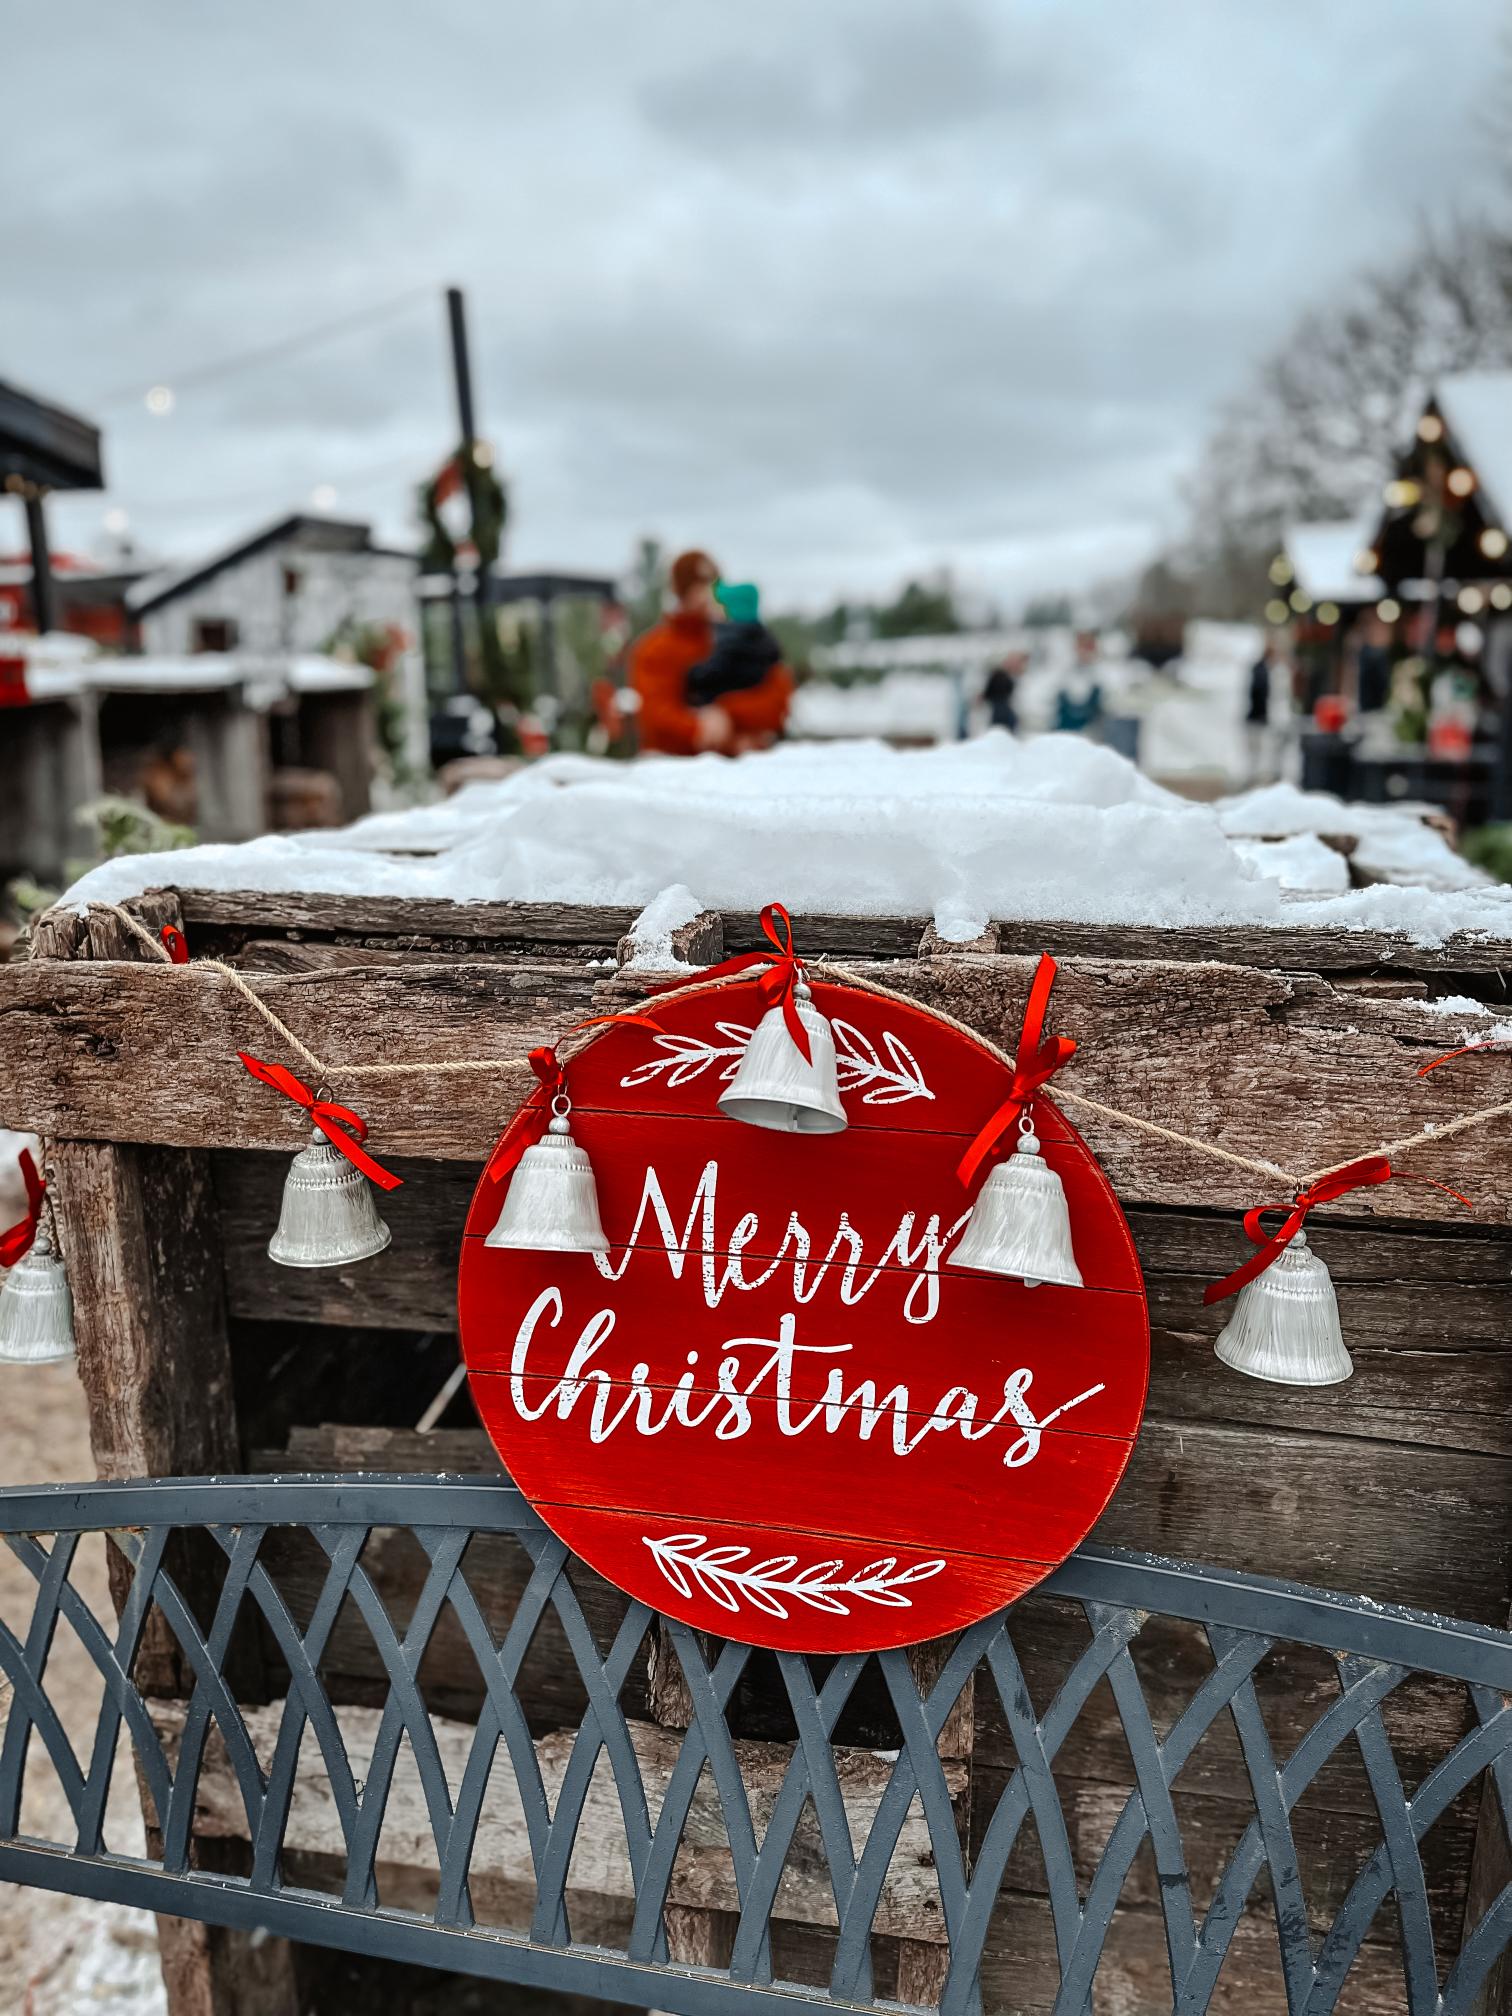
(1260, 1063)
(1298, 949)
(703, 1877)
(137, 1228)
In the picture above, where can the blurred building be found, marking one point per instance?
(291, 586)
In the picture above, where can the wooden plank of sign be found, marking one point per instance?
(703, 1875)
(1262, 1063)
(1314, 948)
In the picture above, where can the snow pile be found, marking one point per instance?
(1056, 830)
(1472, 1020)
(1302, 862)
(1392, 843)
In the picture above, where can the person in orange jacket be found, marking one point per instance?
(661, 660)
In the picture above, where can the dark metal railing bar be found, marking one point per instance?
(1334, 1727)
(307, 1703)
(916, 1770)
(25, 1666)
(603, 1727)
(206, 1657)
(647, 1931)
(1293, 1932)
(718, 1749)
(120, 1698)
(1419, 1959)
(1129, 1830)
(502, 1716)
(1448, 1778)
(1108, 1638)
(404, 1712)
(815, 1715)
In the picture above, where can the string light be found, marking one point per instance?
(1501, 596)
(1328, 612)
(1460, 482)
(1367, 560)
(1471, 601)
(483, 454)
(1388, 609)
(1493, 542)
(1276, 611)
(1301, 601)
(1402, 492)
(1280, 570)
(159, 400)
(1430, 428)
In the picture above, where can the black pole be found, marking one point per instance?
(44, 599)
(456, 315)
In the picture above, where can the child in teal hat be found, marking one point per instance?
(744, 649)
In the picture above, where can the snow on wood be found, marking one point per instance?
(1054, 829)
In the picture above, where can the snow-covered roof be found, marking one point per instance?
(1054, 829)
(1477, 409)
(1322, 557)
(309, 529)
(53, 672)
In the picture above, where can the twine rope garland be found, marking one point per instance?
(821, 968)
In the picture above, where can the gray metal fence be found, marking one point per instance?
(262, 1755)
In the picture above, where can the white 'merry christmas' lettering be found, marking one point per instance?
(921, 1300)
(651, 1409)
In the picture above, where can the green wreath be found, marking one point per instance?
(488, 506)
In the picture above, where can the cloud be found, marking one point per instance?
(850, 289)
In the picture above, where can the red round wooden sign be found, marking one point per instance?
(774, 1409)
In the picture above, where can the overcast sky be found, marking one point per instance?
(843, 289)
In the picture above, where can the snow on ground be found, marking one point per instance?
(1055, 829)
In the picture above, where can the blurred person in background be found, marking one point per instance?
(1000, 694)
(745, 651)
(1259, 744)
(1079, 698)
(670, 718)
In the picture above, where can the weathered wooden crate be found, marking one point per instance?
(1301, 1046)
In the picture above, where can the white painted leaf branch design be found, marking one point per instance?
(687, 1057)
(889, 1077)
(858, 1063)
(730, 1578)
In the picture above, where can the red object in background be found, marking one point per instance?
(1330, 712)
(756, 1412)
(13, 691)
(1451, 738)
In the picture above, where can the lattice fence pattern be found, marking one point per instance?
(546, 1831)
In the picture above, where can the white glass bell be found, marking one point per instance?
(1019, 1224)
(329, 1217)
(36, 1309)
(1285, 1325)
(774, 1086)
(551, 1205)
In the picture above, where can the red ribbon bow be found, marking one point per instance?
(1038, 1059)
(16, 1243)
(177, 944)
(778, 984)
(529, 1124)
(344, 1129)
(1359, 1175)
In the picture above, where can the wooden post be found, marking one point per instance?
(138, 1230)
